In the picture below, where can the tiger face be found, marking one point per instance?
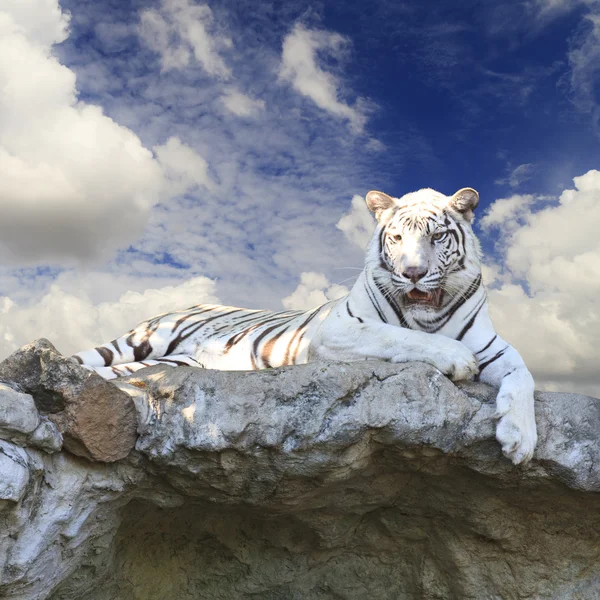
(424, 251)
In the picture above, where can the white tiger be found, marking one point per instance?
(419, 298)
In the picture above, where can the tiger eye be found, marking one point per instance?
(436, 237)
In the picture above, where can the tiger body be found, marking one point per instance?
(212, 337)
(420, 297)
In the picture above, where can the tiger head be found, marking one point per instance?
(424, 251)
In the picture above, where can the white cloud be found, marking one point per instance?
(40, 20)
(374, 145)
(300, 67)
(547, 10)
(74, 183)
(183, 167)
(358, 225)
(556, 252)
(518, 175)
(182, 29)
(68, 315)
(551, 8)
(583, 56)
(508, 213)
(249, 221)
(584, 64)
(240, 104)
(314, 289)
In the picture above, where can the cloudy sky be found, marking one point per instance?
(157, 154)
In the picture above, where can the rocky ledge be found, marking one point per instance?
(327, 481)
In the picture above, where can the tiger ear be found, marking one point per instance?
(465, 201)
(377, 202)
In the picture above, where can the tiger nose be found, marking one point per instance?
(414, 273)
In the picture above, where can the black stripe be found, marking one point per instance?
(487, 345)
(269, 346)
(509, 373)
(193, 314)
(463, 245)
(181, 336)
(440, 321)
(463, 237)
(471, 291)
(482, 366)
(265, 355)
(115, 343)
(106, 354)
(393, 304)
(350, 312)
(171, 361)
(222, 313)
(240, 335)
(382, 256)
(142, 350)
(292, 360)
(374, 301)
(78, 359)
(470, 322)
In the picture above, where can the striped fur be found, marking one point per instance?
(419, 298)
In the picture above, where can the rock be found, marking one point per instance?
(15, 475)
(17, 411)
(95, 418)
(318, 482)
(20, 421)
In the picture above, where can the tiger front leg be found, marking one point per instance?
(343, 340)
(516, 428)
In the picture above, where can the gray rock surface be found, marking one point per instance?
(95, 419)
(324, 481)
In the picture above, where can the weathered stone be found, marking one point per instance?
(17, 411)
(21, 422)
(14, 473)
(319, 482)
(96, 419)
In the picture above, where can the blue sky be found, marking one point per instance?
(160, 154)
(470, 91)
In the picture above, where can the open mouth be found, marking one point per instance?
(432, 298)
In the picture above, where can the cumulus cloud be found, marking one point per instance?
(300, 67)
(314, 289)
(73, 182)
(182, 29)
(73, 320)
(240, 104)
(358, 224)
(41, 20)
(555, 321)
(508, 213)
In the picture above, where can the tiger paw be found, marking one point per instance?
(453, 359)
(516, 431)
(450, 357)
